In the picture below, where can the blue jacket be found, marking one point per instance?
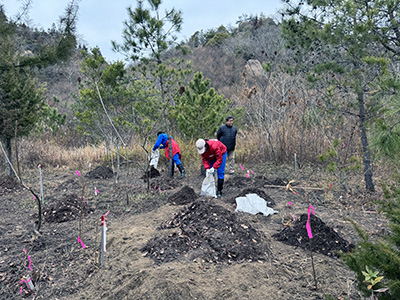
(161, 141)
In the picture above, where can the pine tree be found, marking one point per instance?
(22, 105)
(200, 110)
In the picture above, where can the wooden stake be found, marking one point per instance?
(41, 183)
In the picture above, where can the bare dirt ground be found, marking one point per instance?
(170, 243)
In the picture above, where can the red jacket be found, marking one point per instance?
(175, 149)
(215, 151)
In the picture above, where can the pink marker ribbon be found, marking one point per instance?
(96, 191)
(290, 203)
(103, 219)
(248, 174)
(308, 222)
(22, 281)
(78, 173)
(29, 258)
(80, 241)
(241, 167)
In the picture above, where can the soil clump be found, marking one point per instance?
(101, 172)
(210, 232)
(185, 195)
(325, 239)
(152, 173)
(65, 210)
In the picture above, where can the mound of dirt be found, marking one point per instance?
(66, 210)
(152, 173)
(9, 185)
(164, 183)
(325, 239)
(185, 195)
(251, 190)
(101, 172)
(208, 231)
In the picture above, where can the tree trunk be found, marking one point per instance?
(7, 147)
(369, 185)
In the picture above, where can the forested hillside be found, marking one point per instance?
(314, 94)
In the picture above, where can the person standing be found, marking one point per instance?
(213, 155)
(163, 143)
(226, 134)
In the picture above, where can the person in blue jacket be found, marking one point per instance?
(163, 143)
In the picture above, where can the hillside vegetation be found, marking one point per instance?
(316, 89)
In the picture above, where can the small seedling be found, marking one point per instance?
(372, 278)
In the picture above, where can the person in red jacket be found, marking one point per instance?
(213, 154)
(163, 143)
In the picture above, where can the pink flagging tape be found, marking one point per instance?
(29, 263)
(308, 222)
(80, 241)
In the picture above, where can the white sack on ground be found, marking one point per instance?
(208, 186)
(154, 158)
(253, 204)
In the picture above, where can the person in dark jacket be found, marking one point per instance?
(163, 143)
(226, 134)
(213, 156)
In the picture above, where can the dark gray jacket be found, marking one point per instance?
(227, 136)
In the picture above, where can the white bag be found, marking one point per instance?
(253, 204)
(155, 155)
(208, 186)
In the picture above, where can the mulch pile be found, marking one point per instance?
(9, 185)
(325, 239)
(261, 193)
(66, 210)
(101, 172)
(184, 196)
(152, 173)
(210, 232)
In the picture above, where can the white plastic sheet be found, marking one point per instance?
(208, 186)
(253, 204)
(154, 157)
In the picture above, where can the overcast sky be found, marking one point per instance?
(101, 21)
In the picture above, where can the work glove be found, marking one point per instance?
(210, 171)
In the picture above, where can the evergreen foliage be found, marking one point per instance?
(381, 255)
(22, 105)
(200, 110)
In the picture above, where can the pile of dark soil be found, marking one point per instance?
(101, 172)
(185, 195)
(325, 239)
(164, 183)
(9, 185)
(208, 231)
(152, 173)
(66, 210)
(250, 190)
